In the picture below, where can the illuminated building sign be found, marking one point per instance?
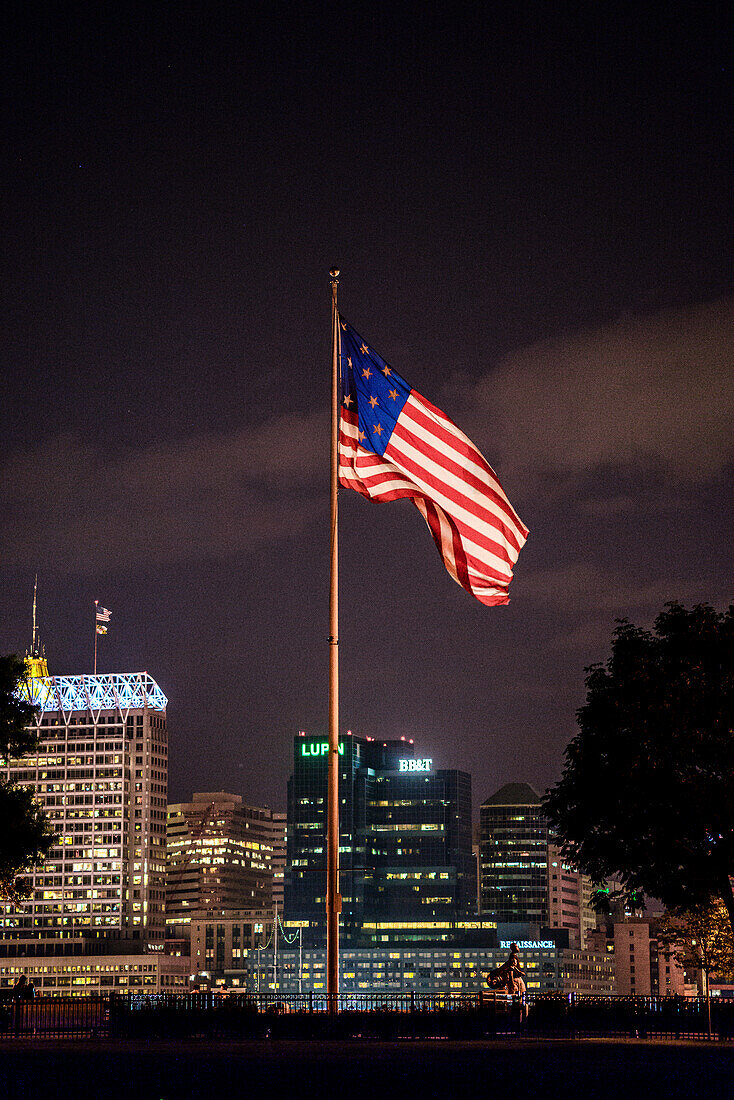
(319, 748)
(415, 765)
(530, 945)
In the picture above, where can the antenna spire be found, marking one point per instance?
(35, 657)
(34, 641)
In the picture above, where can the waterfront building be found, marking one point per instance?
(514, 856)
(406, 866)
(82, 974)
(101, 774)
(420, 969)
(218, 856)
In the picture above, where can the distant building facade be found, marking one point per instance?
(419, 969)
(514, 856)
(71, 975)
(406, 865)
(218, 856)
(95, 917)
(222, 939)
(570, 898)
(476, 849)
(641, 967)
(279, 840)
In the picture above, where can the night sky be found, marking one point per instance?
(531, 209)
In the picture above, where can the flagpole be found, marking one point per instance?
(96, 604)
(333, 897)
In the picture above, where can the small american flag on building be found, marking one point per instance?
(393, 443)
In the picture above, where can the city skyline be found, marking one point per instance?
(533, 224)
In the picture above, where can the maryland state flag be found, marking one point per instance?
(102, 618)
(394, 443)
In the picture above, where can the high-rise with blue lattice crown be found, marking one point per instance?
(95, 919)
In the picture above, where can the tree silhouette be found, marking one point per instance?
(25, 833)
(699, 939)
(647, 792)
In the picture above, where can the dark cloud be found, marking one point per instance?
(82, 508)
(654, 391)
(591, 596)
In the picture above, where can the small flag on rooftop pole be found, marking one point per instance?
(101, 618)
(393, 443)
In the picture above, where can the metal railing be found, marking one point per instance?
(366, 1015)
(67, 1017)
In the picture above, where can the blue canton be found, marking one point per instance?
(371, 386)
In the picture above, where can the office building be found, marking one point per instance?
(81, 974)
(279, 842)
(514, 856)
(101, 774)
(549, 966)
(570, 895)
(406, 866)
(222, 938)
(641, 967)
(219, 856)
(476, 850)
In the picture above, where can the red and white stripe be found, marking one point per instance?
(430, 461)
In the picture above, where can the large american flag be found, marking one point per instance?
(394, 443)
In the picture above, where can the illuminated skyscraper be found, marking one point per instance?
(101, 775)
(219, 853)
(514, 856)
(406, 865)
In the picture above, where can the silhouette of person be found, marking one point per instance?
(19, 988)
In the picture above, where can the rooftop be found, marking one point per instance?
(514, 794)
(121, 691)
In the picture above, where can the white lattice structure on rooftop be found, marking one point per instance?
(120, 691)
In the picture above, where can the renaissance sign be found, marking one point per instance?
(529, 945)
(415, 765)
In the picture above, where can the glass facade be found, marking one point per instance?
(514, 861)
(406, 867)
(95, 917)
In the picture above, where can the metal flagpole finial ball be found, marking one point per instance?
(334, 273)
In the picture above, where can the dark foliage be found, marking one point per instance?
(24, 839)
(16, 715)
(25, 834)
(647, 792)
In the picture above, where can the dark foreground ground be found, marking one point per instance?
(412, 1070)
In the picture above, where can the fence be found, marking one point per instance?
(70, 1017)
(351, 1015)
